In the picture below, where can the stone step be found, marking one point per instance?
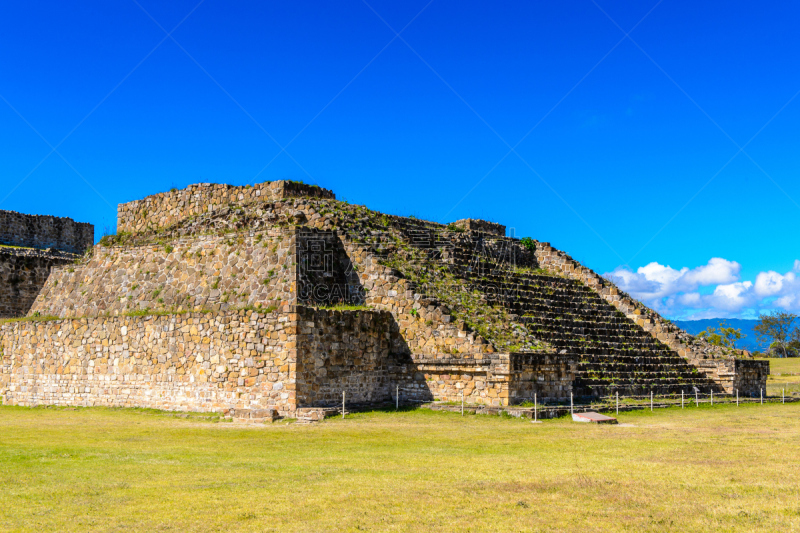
(313, 415)
(252, 416)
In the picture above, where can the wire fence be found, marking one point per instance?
(548, 407)
(552, 408)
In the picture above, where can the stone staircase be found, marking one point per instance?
(615, 353)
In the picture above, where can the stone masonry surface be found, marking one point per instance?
(42, 231)
(344, 351)
(469, 224)
(240, 360)
(23, 273)
(167, 208)
(204, 272)
(194, 362)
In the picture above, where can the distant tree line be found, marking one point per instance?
(778, 329)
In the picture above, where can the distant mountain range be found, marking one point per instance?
(750, 342)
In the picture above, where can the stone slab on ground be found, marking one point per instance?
(591, 416)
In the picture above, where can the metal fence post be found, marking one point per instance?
(712, 398)
(535, 408)
(617, 403)
(651, 401)
(681, 399)
(343, 397)
(696, 400)
(462, 403)
(397, 399)
(571, 408)
(783, 397)
(737, 397)
(762, 396)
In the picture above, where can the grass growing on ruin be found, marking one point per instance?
(346, 307)
(34, 318)
(698, 469)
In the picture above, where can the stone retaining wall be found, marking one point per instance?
(344, 351)
(43, 231)
(190, 362)
(747, 376)
(23, 273)
(470, 224)
(249, 361)
(203, 272)
(489, 381)
(164, 209)
(548, 375)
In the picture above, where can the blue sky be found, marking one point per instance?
(626, 148)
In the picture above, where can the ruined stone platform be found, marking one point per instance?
(220, 298)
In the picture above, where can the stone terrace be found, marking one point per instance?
(165, 209)
(42, 231)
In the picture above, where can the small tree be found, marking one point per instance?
(726, 336)
(528, 243)
(776, 327)
(794, 341)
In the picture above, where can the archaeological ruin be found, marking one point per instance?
(276, 299)
(30, 245)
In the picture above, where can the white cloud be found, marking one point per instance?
(658, 281)
(691, 299)
(733, 296)
(788, 302)
(710, 290)
(770, 283)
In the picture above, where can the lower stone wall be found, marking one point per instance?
(427, 382)
(500, 380)
(548, 375)
(247, 361)
(747, 376)
(344, 351)
(23, 273)
(190, 362)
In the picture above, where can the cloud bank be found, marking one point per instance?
(713, 290)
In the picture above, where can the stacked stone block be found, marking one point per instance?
(23, 272)
(30, 246)
(483, 226)
(345, 351)
(210, 272)
(42, 232)
(191, 362)
(167, 208)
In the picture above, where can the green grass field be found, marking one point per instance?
(784, 375)
(708, 468)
